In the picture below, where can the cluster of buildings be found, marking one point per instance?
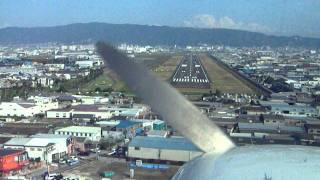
(278, 69)
(43, 66)
(42, 129)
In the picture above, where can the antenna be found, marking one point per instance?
(165, 100)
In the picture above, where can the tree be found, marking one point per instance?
(261, 118)
(218, 93)
(98, 89)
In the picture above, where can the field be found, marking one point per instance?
(104, 82)
(166, 69)
(222, 79)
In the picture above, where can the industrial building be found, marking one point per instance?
(174, 149)
(92, 133)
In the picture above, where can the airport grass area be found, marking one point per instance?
(109, 81)
(223, 80)
(167, 68)
(105, 82)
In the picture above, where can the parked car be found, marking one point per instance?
(112, 152)
(73, 158)
(95, 150)
(84, 153)
(53, 176)
(62, 161)
(70, 178)
(72, 162)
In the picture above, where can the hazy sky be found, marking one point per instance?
(285, 17)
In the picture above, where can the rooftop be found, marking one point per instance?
(5, 152)
(264, 127)
(39, 142)
(158, 133)
(163, 143)
(40, 135)
(17, 141)
(126, 124)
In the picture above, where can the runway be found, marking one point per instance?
(190, 74)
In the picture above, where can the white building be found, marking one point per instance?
(28, 108)
(92, 133)
(45, 147)
(9, 109)
(85, 64)
(89, 100)
(96, 111)
(55, 67)
(45, 81)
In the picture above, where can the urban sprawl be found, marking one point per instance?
(62, 110)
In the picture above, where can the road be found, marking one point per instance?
(190, 74)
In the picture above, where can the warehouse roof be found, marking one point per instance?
(17, 141)
(163, 143)
(84, 129)
(126, 124)
(49, 136)
(40, 142)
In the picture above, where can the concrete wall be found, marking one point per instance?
(194, 154)
(103, 115)
(58, 114)
(163, 154)
(143, 153)
(175, 155)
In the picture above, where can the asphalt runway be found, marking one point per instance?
(190, 74)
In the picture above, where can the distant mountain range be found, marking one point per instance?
(147, 35)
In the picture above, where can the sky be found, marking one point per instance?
(276, 17)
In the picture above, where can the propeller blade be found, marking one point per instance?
(178, 112)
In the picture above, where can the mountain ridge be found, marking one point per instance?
(147, 35)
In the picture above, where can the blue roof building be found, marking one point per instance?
(126, 124)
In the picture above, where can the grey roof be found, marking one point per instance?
(163, 143)
(17, 141)
(264, 127)
(25, 105)
(157, 133)
(40, 135)
(287, 107)
(5, 152)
